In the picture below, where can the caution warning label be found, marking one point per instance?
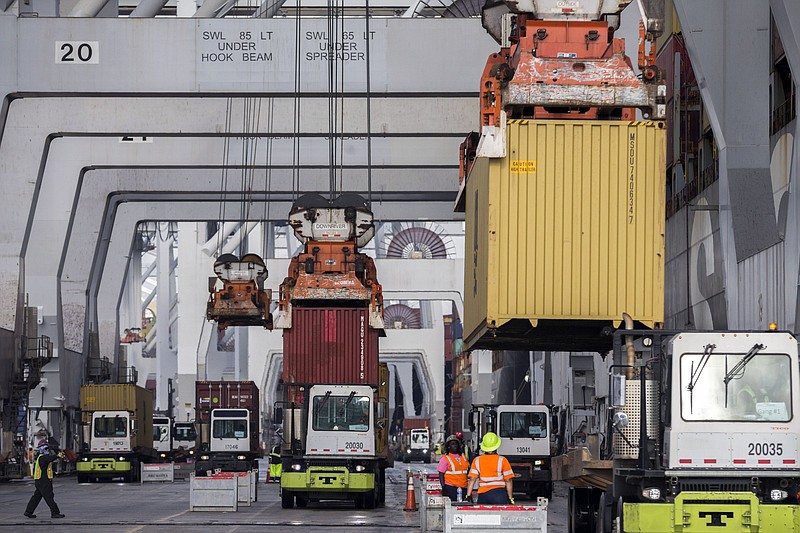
(522, 166)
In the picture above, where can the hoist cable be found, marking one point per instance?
(368, 38)
(296, 118)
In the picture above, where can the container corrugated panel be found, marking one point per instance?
(415, 423)
(225, 394)
(565, 234)
(121, 397)
(330, 345)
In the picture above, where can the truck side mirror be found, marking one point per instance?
(617, 390)
(472, 421)
(278, 416)
(381, 410)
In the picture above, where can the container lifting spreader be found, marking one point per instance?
(243, 300)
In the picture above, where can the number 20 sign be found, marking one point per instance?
(77, 52)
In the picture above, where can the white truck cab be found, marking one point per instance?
(734, 407)
(111, 431)
(341, 421)
(162, 436)
(230, 430)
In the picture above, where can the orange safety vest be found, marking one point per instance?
(492, 471)
(37, 470)
(456, 474)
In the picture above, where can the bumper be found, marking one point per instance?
(711, 512)
(225, 464)
(327, 480)
(104, 466)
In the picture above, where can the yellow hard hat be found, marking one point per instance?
(490, 442)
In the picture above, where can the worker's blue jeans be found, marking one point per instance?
(497, 496)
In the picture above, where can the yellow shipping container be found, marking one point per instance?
(564, 234)
(121, 397)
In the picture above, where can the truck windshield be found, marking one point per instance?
(108, 427)
(523, 425)
(185, 433)
(160, 433)
(341, 413)
(736, 387)
(229, 429)
(419, 436)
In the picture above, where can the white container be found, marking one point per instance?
(217, 493)
(468, 517)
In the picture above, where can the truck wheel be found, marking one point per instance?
(302, 501)
(406, 459)
(287, 500)
(83, 478)
(369, 499)
(604, 514)
(381, 496)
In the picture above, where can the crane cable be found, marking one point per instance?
(221, 215)
(368, 38)
(296, 117)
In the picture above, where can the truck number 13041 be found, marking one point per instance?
(764, 448)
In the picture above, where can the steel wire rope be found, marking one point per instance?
(368, 38)
(224, 177)
(296, 111)
(250, 118)
(267, 176)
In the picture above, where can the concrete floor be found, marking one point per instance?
(127, 508)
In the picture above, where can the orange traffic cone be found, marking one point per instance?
(411, 499)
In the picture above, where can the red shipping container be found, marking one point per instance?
(224, 395)
(415, 423)
(330, 345)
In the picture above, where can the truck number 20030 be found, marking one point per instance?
(353, 445)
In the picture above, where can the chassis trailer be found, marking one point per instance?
(702, 435)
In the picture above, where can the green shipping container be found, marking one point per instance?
(122, 397)
(564, 234)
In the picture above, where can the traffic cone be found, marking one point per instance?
(411, 499)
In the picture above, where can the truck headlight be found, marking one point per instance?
(204, 458)
(84, 459)
(296, 467)
(241, 457)
(163, 455)
(425, 450)
(191, 452)
(538, 462)
(408, 450)
(360, 468)
(652, 493)
(777, 495)
(120, 458)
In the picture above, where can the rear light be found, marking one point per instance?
(652, 493)
(777, 495)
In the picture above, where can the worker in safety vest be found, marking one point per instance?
(43, 481)
(492, 473)
(275, 466)
(453, 468)
(467, 453)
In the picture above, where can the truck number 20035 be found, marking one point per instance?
(764, 448)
